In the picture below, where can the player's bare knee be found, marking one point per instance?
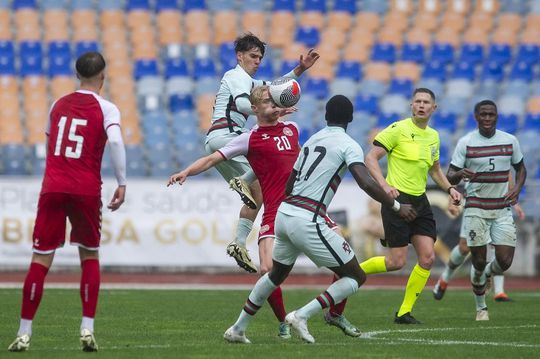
(479, 263)
(426, 261)
(395, 262)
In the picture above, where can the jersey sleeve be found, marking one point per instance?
(389, 137)
(239, 146)
(437, 148)
(352, 153)
(458, 157)
(111, 114)
(517, 155)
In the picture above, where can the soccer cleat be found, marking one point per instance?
(300, 325)
(233, 336)
(342, 323)
(88, 342)
(482, 315)
(20, 344)
(406, 318)
(439, 289)
(240, 254)
(242, 188)
(284, 331)
(502, 297)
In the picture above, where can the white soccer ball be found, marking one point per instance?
(285, 91)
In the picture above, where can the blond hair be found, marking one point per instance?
(257, 94)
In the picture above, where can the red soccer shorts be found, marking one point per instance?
(84, 213)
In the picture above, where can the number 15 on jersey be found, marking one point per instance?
(69, 152)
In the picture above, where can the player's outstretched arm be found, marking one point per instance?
(454, 175)
(374, 190)
(306, 62)
(199, 166)
(372, 163)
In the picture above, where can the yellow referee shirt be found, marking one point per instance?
(411, 153)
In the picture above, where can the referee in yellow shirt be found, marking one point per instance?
(413, 152)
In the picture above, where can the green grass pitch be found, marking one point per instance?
(190, 324)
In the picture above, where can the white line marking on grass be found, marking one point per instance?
(374, 335)
(103, 348)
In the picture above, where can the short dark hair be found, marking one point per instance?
(484, 103)
(424, 90)
(247, 42)
(339, 109)
(90, 64)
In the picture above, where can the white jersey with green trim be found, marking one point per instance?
(320, 167)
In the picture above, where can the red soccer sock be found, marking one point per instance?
(337, 309)
(276, 302)
(90, 280)
(33, 290)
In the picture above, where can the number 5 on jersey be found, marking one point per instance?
(72, 136)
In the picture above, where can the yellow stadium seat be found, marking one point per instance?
(311, 19)
(404, 7)
(448, 36)
(503, 35)
(333, 35)
(225, 29)
(198, 36)
(430, 6)
(169, 24)
(459, 6)
(533, 105)
(281, 37)
(293, 51)
(5, 25)
(475, 35)
(487, 6)
(340, 19)
(396, 21)
(330, 51)
(510, 22)
(481, 20)
(61, 86)
(197, 19)
(205, 105)
(254, 22)
(355, 51)
(362, 36)
(453, 20)
(27, 25)
(84, 25)
(138, 18)
(389, 35)
(407, 70)
(322, 70)
(530, 36)
(368, 20)
(380, 71)
(282, 20)
(426, 20)
(110, 18)
(418, 35)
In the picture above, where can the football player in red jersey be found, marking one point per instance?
(78, 128)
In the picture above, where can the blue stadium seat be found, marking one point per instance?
(514, 6)
(82, 4)
(366, 103)
(220, 5)
(401, 87)
(443, 53)
(31, 65)
(22, 4)
(145, 68)
(252, 5)
(7, 48)
(511, 104)
(452, 104)
(372, 87)
(349, 69)
(532, 121)
(434, 70)
(472, 53)
(394, 103)
(507, 123)
(345, 5)
(287, 66)
(386, 119)
(522, 71)
(82, 47)
(344, 86)
(413, 52)
(283, 5)
(175, 67)
(207, 85)
(53, 4)
(308, 36)
(315, 5)
(444, 154)
(226, 51)
(59, 49)
(433, 84)
(136, 165)
(380, 7)
(7, 65)
(487, 89)
(266, 70)
(528, 53)
(59, 66)
(385, 52)
(104, 5)
(13, 159)
(470, 122)
(137, 5)
(317, 87)
(194, 5)
(519, 88)
(203, 68)
(166, 5)
(464, 70)
(445, 121)
(30, 49)
(493, 70)
(180, 102)
(500, 53)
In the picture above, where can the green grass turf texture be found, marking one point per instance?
(190, 324)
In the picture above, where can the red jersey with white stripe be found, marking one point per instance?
(76, 140)
(271, 152)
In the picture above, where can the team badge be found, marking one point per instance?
(264, 229)
(287, 131)
(346, 247)
(433, 150)
(472, 235)
(265, 136)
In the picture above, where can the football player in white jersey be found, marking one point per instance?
(231, 111)
(483, 158)
(300, 225)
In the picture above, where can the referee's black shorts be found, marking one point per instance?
(398, 232)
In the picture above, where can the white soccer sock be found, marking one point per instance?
(25, 327)
(249, 177)
(87, 323)
(339, 290)
(498, 284)
(493, 268)
(478, 278)
(242, 231)
(455, 261)
(260, 292)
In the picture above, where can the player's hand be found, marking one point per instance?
(455, 196)
(118, 198)
(453, 209)
(391, 191)
(512, 196)
(519, 211)
(466, 174)
(307, 61)
(407, 212)
(287, 111)
(179, 178)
